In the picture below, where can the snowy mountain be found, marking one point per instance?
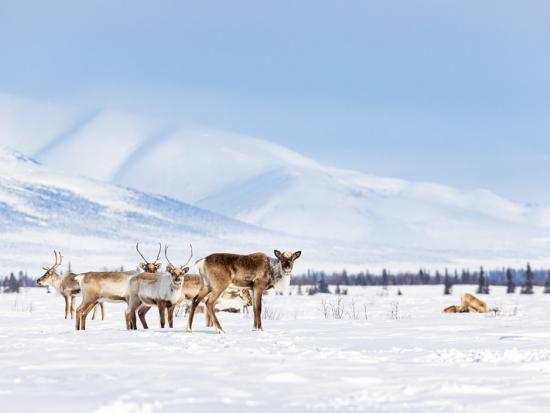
(366, 219)
(41, 209)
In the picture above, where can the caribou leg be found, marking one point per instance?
(73, 298)
(196, 301)
(170, 311)
(67, 306)
(211, 308)
(258, 292)
(95, 311)
(141, 313)
(162, 310)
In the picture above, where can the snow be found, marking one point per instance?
(366, 220)
(269, 185)
(97, 224)
(100, 147)
(406, 356)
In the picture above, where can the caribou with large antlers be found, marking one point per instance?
(191, 287)
(66, 286)
(99, 287)
(146, 266)
(255, 271)
(162, 290)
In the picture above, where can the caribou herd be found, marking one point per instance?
(221, 277)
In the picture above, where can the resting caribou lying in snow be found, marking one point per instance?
(469, 304)
(66, 286)
(255, 271)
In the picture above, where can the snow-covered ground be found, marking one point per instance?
(392, 354)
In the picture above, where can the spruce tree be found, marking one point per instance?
(384, 278)
(527, 287)
(511, 287)
(437, 277)
(323, 285)
(448, 284)
(13, 285)
(345, 280)
(547, 285)
(481, 282)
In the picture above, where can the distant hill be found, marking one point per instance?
(346, 217)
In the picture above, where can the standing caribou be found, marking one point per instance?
(255, 271)
(99, 287)
(146, 290)
(66, 286)
(192, 286)
(162, 290)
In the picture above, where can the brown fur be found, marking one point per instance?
(191, 287)
(66, 286)
(136, 303)
(469, 304)
(171, 294)
(133, 286)
(255, 271)
(474, 304)
(97, 287)
(146, 266)
(456, 309)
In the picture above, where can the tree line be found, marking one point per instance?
(525, 278)
(12, 283)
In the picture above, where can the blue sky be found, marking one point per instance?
(456, 92)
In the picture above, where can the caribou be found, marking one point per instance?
(162, 290)
(470, 304)
(100, 287)
(192, 286)
(257, 272)
(66, 286)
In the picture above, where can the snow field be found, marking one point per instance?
(315, 353)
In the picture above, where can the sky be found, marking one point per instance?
(452, 91)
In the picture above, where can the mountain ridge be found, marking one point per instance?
(270, 186)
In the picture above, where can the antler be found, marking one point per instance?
(139, 252)
(56, 264)
(166, 255)
(145, 259)
(158, 255)
(60, 260)
(190, 256)
(167, 259)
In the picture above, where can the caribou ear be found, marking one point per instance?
(157, 266)
(277, 253)
(45, 269)
(296, 255)
(186, 270)
(143, 266)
